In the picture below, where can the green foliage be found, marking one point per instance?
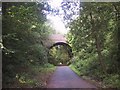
(24, 33)
(38, 54)
(36, 76)
(74, 69)
(59, 55)
(94, 39)
(112, 80)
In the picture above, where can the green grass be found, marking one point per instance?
(74, 69)
(83, 77)
(110, 81)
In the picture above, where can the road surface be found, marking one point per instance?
(64, 77)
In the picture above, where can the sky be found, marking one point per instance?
(57, 20)
(57, 24)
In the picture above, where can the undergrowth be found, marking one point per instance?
(102, 81)
(36, 76)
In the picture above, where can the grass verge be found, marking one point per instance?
(86, 78)
(109, 80)
(35, 77)
(74, 69)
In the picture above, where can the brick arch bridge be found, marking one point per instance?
(58, 39)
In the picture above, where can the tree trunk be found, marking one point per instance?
(98, 47)
(95, 32)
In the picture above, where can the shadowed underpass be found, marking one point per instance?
(64, 77)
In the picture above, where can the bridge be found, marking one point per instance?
(58, 39)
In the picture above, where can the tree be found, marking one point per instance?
(94, 38)
(24, 31)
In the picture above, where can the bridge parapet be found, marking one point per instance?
(55, 38)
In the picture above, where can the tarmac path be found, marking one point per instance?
(64, 77)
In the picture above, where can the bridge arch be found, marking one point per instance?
(57, 40)
(67, 46)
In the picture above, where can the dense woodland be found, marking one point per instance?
(24, 53)
(95, 40)
(94, 37)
